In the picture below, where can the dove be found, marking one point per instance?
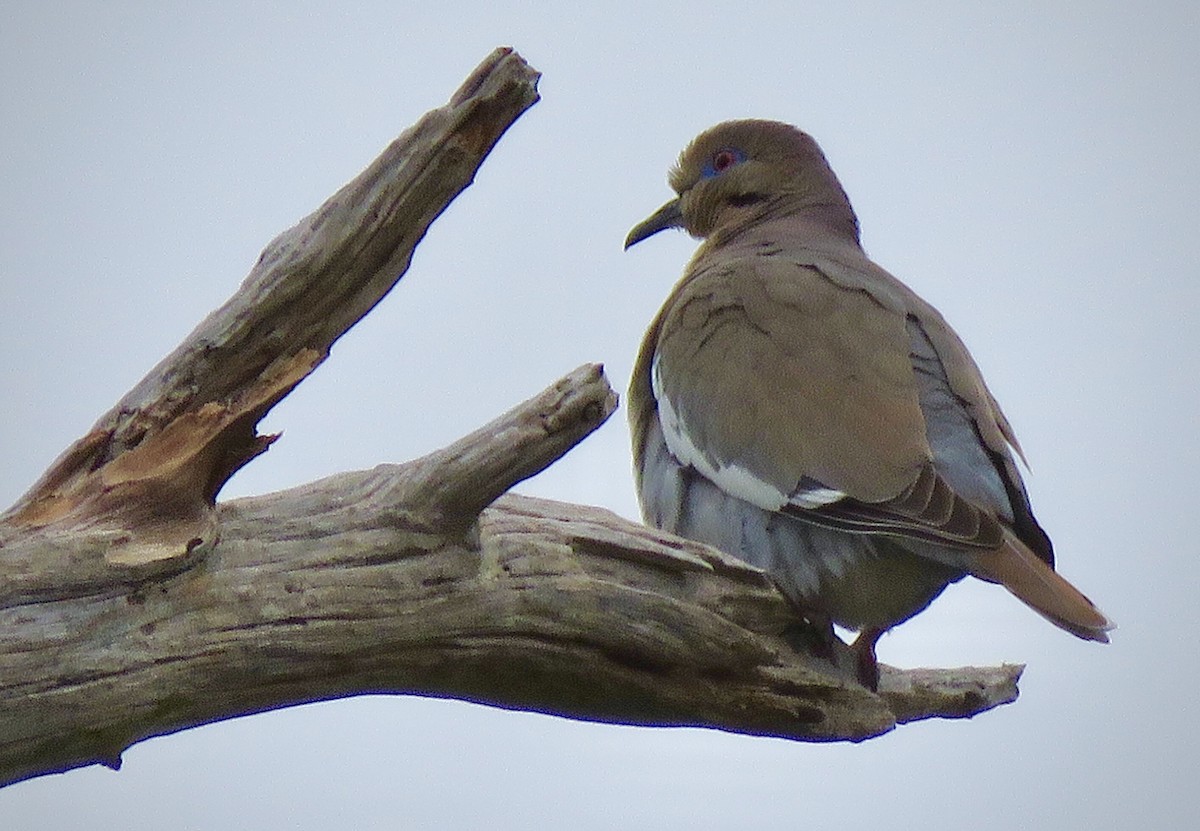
(796, 406)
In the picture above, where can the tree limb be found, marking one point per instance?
(133, 605)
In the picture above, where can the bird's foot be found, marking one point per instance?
(866, 666)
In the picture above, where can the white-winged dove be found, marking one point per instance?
(797, 406)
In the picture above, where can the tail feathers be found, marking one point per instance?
(1038, 586)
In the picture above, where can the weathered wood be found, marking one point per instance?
(160, 456)
(133, 605)
(357, 584)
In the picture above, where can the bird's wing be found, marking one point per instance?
(847, 408)
(798, 394)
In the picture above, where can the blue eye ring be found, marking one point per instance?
(722, 160)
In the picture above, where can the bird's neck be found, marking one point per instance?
(818, 226)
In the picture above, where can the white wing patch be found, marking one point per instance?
(816, 497)
(734, 479)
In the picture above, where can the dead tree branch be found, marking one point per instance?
(132, 604)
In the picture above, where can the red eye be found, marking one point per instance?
(723, 159)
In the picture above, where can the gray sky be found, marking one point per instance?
(1033, 172)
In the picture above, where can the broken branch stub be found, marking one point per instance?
(173, 441)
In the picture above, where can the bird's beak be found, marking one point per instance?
(668, 216)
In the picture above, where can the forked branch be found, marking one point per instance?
(132, 604)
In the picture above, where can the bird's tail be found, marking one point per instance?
(1041, 588)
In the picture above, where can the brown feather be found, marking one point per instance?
(750, 350)
(928, 511)
(1042, 589)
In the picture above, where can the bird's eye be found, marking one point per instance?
(722, 160)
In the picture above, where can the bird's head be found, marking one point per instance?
(741, 171)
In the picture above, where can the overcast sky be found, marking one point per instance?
(1034, 172)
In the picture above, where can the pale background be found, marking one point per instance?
(1033, 172)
